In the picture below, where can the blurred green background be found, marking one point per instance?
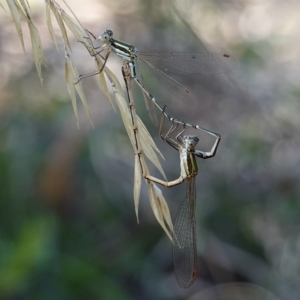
(68, 228)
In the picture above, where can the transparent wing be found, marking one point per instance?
(189, 63)
(149, 103)
(184, 237)
(173, 86)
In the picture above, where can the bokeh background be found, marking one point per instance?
(68, 229)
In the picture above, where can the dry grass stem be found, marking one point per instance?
(140, 138)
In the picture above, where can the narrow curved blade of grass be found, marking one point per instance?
(151, 155)
(82, 97)
(84, 35)
(49, 23)
(73, 25)
(155, 201)
(143, 129)
(148, 146)
(71, 77)
(126, 118)
(114, 79)
(21, 11)
(122, 105)
(16, 18)
(102, 82)
(37, 49)
(27, 3)
(80, 33)
(164, 207)
(26, 7)
(78, 22)
(3, 7)
(137, 185)
(56, 11)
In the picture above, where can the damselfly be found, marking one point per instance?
(159, 63)
(184, 232)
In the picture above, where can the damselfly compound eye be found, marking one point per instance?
(109, 32)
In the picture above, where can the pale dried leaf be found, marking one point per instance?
(3, 7)
(156, 208)
(123, 107)
(164, 207)
(21, 11)
(49, 23)
(154, 205)
(70, 78)
(133, 118)
(113, 78)
(56, 11)
(27, 3)
(82, 97)
(104, 88)
(151, 155)
(73, 75)
(84, 35)
(125, 114)
(73, 14)
(37, 49)
(147, 146)
(143, 130)
(73, 25)
(102, 82)
(16, 18)
(144, 165)
(25, 6)
(137, 185)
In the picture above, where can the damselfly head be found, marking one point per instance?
(105, 36)
(190, 141)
